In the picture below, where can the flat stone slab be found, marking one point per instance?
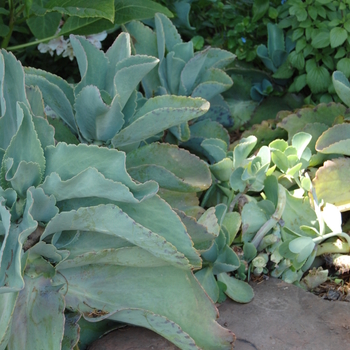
(285, 317)
(280, 317)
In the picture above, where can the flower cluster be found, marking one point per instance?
(64, 47)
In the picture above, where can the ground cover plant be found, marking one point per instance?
(142, 184)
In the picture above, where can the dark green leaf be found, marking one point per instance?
(127, 10)
(320, 40)
(260, 7)
(85, 26)
(312, 12)
(318, 79)
(344, 66)
(44, 26)
(83, 8)
(338, 36)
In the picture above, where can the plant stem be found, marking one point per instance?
(276, 216)
(36, 42)
(332, 234)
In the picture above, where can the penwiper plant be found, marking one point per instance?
(104, 108)
(82, 244)
(182, 72)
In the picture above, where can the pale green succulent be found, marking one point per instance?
(82, 244)
(182, 72)
(105, 107)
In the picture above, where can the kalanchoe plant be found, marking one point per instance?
(181, 71)
(221, 260)
(77, 233)
(104, 107)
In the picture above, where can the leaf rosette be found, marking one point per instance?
(77, 234)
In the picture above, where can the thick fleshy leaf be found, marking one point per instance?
(186, 202)
(120, 50)
(39, 311)
(145, 43)
(335, 140)
(167, 35)
(323, 113)
(332, 183)
(253, 217)
(199, 234)
(195, 313)
(129, 74)
(205, 129)
(55, 98)
(217, 58)
(302, 246)
(66, 88)
(71, 330)
(213, 82)
(157, 215)
(27, 174)
(173, 168)
(158, 324)
(174, 66)
(300, 142)
(70, 160)
(342, 87)
(7, 304)
(216, 148)
(25, 146)
(298, 212)
(231, 225)
(35, 99)
(158, 114)
(227, 261)
(237, 290)
(206, 278)
(89, 183)
(190, 73)
(12, 90)
(93, 63)
(126, 256)
(110, 219)
(44, 206)
(96, 120)
(242, 150)
(45, 131)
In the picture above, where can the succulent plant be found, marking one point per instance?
(104, 107)
(181, 71)
(82, 244)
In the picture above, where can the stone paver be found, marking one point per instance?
(280, 317)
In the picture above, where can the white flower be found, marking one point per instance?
(68, 52)
(58, 45)
(97, 38)
(64, 47)
(43, 48)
